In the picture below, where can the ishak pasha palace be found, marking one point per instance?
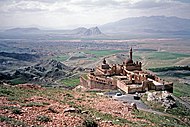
(128, 77)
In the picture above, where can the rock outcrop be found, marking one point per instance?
(46, 71)
(162, 97)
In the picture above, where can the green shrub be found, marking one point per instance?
(89, 123)
(12, 121)
(17, 111)
(5, 92)
(43, 118)
(71, 82)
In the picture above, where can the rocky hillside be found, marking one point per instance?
(30, 105)
(46, 71)
(20, 56)
(92, 31)
(82, 31)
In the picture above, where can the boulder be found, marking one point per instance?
(150, 97)
(72, 110)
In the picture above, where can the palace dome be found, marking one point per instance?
(129, 61)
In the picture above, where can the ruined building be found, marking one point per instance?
(128, 77)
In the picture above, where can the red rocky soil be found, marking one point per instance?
(54, 109)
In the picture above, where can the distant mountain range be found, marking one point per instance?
(158, 26)
(152, 24)
(81, 31)
(23, 30)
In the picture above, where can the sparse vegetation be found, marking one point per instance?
(12, 121)
(61, 58)
(181, 89)
(36, 104)
(179, 110)
(159, 120)
(71, 82)
(16, 94)
(166, 55)
(17, 111)
(67, 98)
(90, 123)
(173, 68)
(13, 109)
(18, 81)
(43, 118)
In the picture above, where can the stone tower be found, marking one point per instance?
(131, 54)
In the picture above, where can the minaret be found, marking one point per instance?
(131, 54)
(104, 61)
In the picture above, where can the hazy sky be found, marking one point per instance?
(64, 14)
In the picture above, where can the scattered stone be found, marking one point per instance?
(163, 97)
(98, 118)
(72, 110)
(29, 86)
(150, 96)
(85, 112)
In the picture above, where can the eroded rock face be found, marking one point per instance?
(43, 72)
(92, 31)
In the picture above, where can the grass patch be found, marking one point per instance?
(17, 111)
(93, 59)
(43, 118)
(12, 122)
(17, 81)
(159, 120)
(61, 58)
(89, 123)
(166, 55)
(35, 104)
(109, 117)
(180, 111)
(173, 68)
(16, 94)
(71, 82)
(181, 89)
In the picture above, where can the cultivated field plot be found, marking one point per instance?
(162, 59)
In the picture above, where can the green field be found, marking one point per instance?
(18, 81)
(166, 56)
(100, 53)
(61, 57)
(156, 59)
(175, 73)
(71, 82)
(181, 89)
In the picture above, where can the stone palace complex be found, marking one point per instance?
(128, 77)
